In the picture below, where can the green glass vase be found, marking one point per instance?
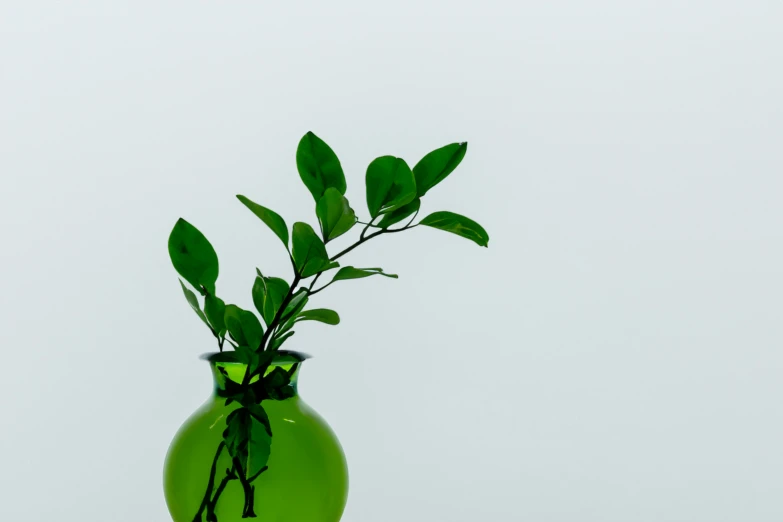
(306, 476)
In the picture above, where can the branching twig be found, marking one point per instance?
(251, 479)
(322, 288)
(412, 219)
(248, 511)
(312, 283)
(210, 483)
(230, 475)
(361, 236)
(362, 239)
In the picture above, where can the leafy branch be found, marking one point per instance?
(278, 319)
(394, 195)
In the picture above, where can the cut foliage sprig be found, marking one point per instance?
(394, 194)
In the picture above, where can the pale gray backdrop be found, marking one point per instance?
(615, 355)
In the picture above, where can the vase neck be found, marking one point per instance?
(222, 372)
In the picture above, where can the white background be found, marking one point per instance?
(616, 353)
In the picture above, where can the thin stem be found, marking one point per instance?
(230, 475)
(283, 320)
(406, 227)
(210, 483)
(322, 288)
(361, 236)
(367, 238)
(290, 314)
(272, 326)
(223, 483)
(368, 224)
(251, 479)
(280, 311)
(412, 219)
(248, 509)
(312, 283)
(362, 239)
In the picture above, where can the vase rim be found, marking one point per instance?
(281, 358)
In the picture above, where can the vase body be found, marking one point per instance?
(307, 475)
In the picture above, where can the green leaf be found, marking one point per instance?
(193, 256)
(243, 326)
(295, 306)
(349, 272)
(277, 384)
(309, 252)
(215, 310)
(390, 185)
(334, 214)
(249, 356)
(318, 166)
(323, 315)
(259, 362)
(457, 224)
(298, 301)
(397, 215)
(193, 302)
(271, 218)
(259, 413)
(268, 295)
(248, 440)
(277, 342)
(284, 393)
(435, 166)
(230, 389)
(277, 378)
